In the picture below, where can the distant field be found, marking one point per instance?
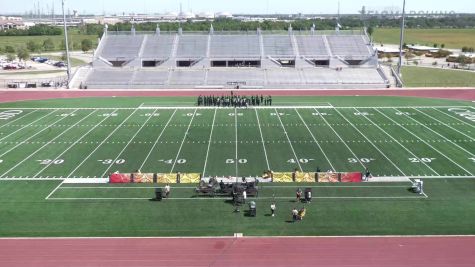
(393, 136)
(452, 38)
(18, 41)
(432, 77)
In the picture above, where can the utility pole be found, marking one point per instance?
(401, 38)
(67, 47)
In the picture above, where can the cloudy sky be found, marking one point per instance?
(235, 6)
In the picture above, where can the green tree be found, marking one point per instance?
(32, 46)
(11, 57)
(370, 30)
(442, 46)
(23, 54)
(9, 49)
(86, 45)
(48, 44)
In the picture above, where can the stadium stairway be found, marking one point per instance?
(387, 71)
(79, 76)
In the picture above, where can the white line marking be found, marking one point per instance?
(226, 198)
(37, 133)
(128, 143)
(316, 142)
(445, 125)
(209, 142)
(290, 143)
(54, 190)
(453, 117)
(384, 155)
(183, 141)
(103, 141)
(19, 117)
(29, 124)
(336, 133)
(236, 141)
(73, 144)
(260, 107)
(367, 118)
(443, 155)
(263, 187)
(45, 145)
(156, 140)
(262, 139)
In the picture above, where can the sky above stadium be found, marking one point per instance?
(236, 6)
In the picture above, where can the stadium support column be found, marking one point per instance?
(401, 38)
(67, 47)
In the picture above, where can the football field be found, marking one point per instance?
(392, 141)
(43, 144)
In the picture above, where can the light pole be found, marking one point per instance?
(401, 39)
(67, 47)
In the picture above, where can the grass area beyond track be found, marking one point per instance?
(452, 38)
(392, 136)
(433, 77)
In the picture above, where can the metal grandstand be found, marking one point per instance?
(292, 59)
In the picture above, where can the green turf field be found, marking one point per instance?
(393, 137)
(432, 77)
(452, 38)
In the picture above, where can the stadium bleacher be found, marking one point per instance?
(254, 60)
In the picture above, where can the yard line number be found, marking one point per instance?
(304, 161)
(111, 161)
(232, 161)
(109, 115)
(171, 161)
(8, 114)
(363, 160)
(421, 160)
(50, 161)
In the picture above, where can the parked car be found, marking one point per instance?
(60, 64)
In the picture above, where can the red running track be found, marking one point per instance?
(257, 252)
(18, 95)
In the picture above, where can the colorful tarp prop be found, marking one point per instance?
(119, 178)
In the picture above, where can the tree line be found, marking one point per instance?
(37, 30)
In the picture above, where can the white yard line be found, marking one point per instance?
(37, 133)
(381, 152)
(129, 142)
(442, 154)
(73, 144)
(443, 124)
(189, 187)
(236, 160)
(224, 198)
(19, 117)
(288, 139)
(336, 133)
(315, 140)
(183, 141)
(262, 139)
(103, 141)
(209, 142)
(28, 124)
(173, 107)
(45, 145)
(156, 140)
(381, 129)
(455, 118)
(54, 190)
